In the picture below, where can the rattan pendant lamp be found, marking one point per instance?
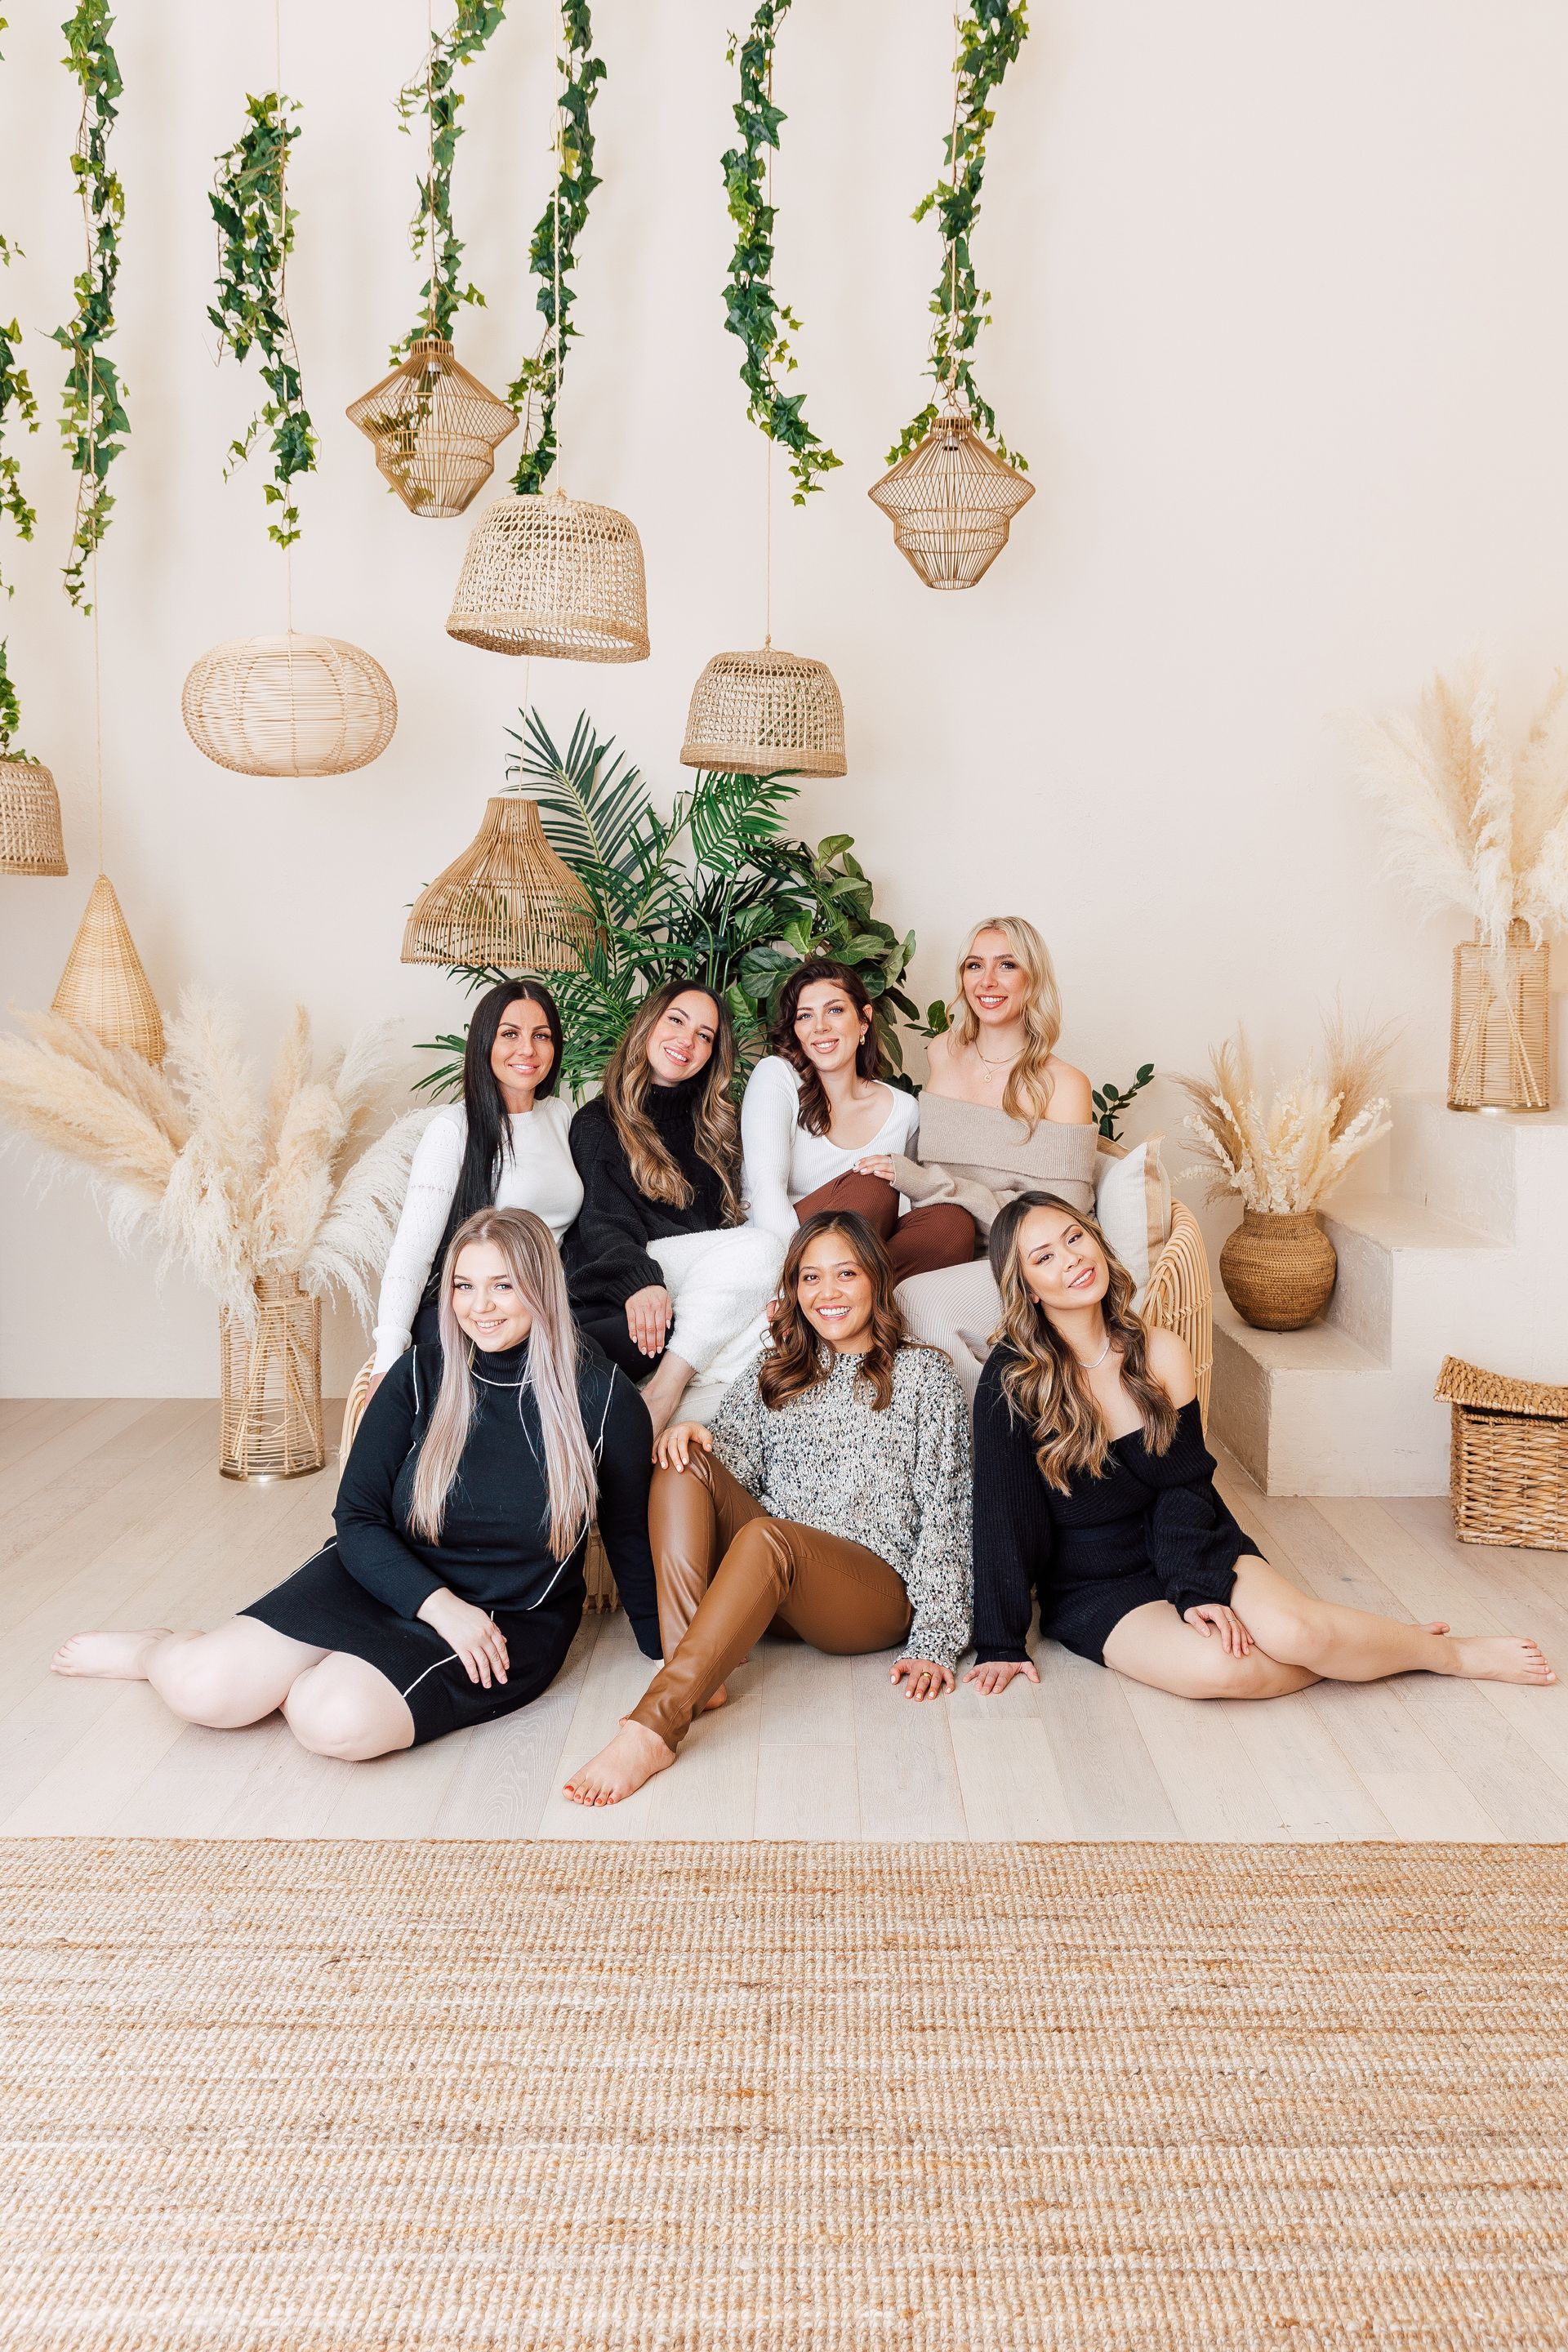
(508, 902)
(31, 840)
(294, 703)
(552, 575)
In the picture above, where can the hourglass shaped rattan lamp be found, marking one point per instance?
(951, 503)
(508, 901)
(434, 429)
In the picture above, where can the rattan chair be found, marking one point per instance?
(1180, 1291)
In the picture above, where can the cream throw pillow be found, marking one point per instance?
(1133, 1202)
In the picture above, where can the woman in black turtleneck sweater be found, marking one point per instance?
(664, 1273)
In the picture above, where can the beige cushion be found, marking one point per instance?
(1133, 1202)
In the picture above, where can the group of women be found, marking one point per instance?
(935, 1405)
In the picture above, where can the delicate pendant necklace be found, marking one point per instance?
(1004, 1063)
(1098, 1359)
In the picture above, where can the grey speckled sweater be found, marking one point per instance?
(897, 1482)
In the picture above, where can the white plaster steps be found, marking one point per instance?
(1312, 1413)
(1403, 1267)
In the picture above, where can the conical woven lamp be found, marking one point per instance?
(552, 575)
(103, 986)
(31, 841)
(289, 706)
(434, 429)
(951, 502)
(763, 713)
(508, 901)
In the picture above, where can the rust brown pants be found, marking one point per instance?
(941, 1235)
(726, 1572)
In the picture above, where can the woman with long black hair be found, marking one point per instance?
(503, 1145)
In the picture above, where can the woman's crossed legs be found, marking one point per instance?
(334, 1703)
(1297, 1639)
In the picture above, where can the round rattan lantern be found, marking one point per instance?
(289, 706)
(765, 713)
(951, 502)
(434, 429)
(552, 575)
(508, 901)
(103, 986)
(31, 841)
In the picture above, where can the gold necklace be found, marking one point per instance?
(1004, 1063)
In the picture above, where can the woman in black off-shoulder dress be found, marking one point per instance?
(1094, 1491)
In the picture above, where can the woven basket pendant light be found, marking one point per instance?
(508, 901)
(31, 841)
(434, 429)
(103, 986)
(552, 575)
(291, 705)
(765, 712)
(951, 502)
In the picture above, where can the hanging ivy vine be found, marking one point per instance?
(93, 417)
(10, 713)
(564, 215)
(751, 309)
(255, 237)
(433, 99)
(17, 401)
(990, 37)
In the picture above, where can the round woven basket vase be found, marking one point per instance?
(1278, 1271)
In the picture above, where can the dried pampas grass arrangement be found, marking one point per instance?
(1284, 1158)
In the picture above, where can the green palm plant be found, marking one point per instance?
(713, 890)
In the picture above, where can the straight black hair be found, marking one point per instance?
(489, 1140)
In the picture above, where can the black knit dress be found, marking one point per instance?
(361, 1590)
(1152, 1526)
(605, 1252)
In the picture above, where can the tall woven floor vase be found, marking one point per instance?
(1278, 1271)
(1500, 1055)
(271, 1416)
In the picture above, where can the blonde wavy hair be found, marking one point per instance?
(550, 1376)
(1045, 1383)
(1028, 1094)
(716, 1131)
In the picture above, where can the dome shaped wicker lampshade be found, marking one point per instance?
(952, 500)
(434, 429)
(509, 901)
(549, 575)
(31, 841)
(103, 986)
(765, 713)
(289, 706)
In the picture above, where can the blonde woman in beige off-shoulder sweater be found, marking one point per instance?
(1001, 1114)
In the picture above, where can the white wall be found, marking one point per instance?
(1278, 324)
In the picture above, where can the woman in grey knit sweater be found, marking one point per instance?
(831, 1494)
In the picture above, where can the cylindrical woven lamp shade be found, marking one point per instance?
(434, 429)
(951, 502)
(1499, 1042)
(547, 575)
(31, 841)
(766, 713)
(271, 1418)
(289, 706)
(103, 986)
(508, 901)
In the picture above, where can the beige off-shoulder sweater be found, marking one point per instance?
(982, 1159)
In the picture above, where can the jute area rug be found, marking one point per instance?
(679, 2097)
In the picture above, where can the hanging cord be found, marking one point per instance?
(430, 163)
(283, 280)
(767, 436)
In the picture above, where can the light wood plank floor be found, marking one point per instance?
(111, 1513)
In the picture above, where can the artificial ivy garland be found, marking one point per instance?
(10, 713)
(93, 418)
(256, 236)
(434, 95)
(751, 309)
(552, 252)
(15, 393)
(989, 39)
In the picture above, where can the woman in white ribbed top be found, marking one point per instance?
(819, 1129)
(504, 1146)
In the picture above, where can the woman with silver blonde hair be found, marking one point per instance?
(1001, 1114)
(454, 1585)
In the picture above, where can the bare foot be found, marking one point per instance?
(718, 1699)
(1501, 1658)
(633, 1755)
(108, 1657)
(1436, 1625)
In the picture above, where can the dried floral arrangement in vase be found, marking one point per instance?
(271, 1203)
(1282, 1160)
(1475, 825)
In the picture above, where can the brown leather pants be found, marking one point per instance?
(726, 1572)
(941, 1234)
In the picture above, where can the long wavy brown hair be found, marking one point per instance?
(1028, 1094)
(1045, 1383)
(799, 1357)
(814, 1107)
(716, 1129)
